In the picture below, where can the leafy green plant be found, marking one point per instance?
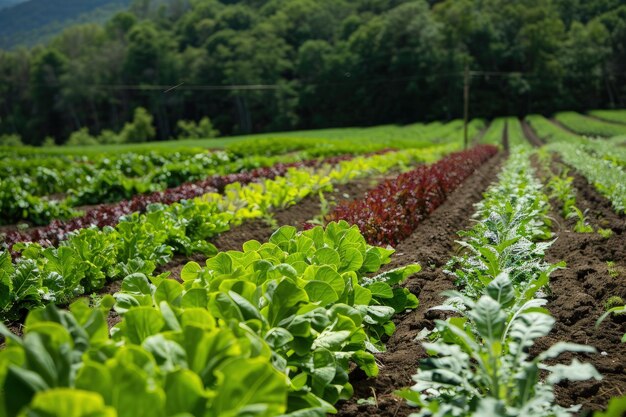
(203, 129)
(608, 177)
(612, 269)
(612, 302)
(141, 242)
(141, 129)
(512, 221)
(11, 140)
(161, 361)
(582, 225)
(560, 188)
(480, 365)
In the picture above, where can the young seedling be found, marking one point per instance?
(612, 269)
(582, 225)
(605, 233)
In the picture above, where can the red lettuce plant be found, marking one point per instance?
(391, 212)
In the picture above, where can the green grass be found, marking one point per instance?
(618, 116)
(589, 126)
(414, 135)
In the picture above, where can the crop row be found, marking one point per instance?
(515, 134)
(550, 132)
(109, 215)
(609, 178)
(270, 331)
(480, 361)
(90, 257)
(23, 197)
(493, 135)
(392, 211)
(618, 116)
(585, 125)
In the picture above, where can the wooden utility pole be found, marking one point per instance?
(466, 80)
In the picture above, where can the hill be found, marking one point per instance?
(8, 3)
(36, 21)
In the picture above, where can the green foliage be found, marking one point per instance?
(612, 269)
(511, 218)
(480, 360)
(588, 126)
(480, 364)
(608, 177)
(618, 116)
(141, 242)
(48, 142)
(269, 330)
(614, 301)
(188, 129)
(141, 129)
(81, 138)
(10, 140)
(317, 63)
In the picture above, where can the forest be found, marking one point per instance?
(258, 66)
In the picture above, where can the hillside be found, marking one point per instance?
(8, 3)
(36, 21)
(262, 66)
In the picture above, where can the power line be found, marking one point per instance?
(166, 88)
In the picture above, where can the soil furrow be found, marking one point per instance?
(578, 294)
(431, 245)
(530, 134)
(296, 215)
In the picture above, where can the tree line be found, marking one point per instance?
(254, 65)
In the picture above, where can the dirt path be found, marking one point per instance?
(431, 245)
(530, 134)
(505, 137)
(578, 294)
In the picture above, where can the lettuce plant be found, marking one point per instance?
(306, 294)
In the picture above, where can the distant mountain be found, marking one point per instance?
(8, 3)
(26, 23)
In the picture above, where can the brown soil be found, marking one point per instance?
(261, 230)
(578, 294)
(505, 137)
(431, 245)
(530, 134)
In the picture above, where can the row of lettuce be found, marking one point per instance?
(601, 161)
(88, 258)
(269, 331)
(391, 212)
(110, 214)
(43, 194)
(484, 360)
(272, 330)
(505, 127)
(37, 186)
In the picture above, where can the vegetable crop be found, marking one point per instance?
(391, 212)
(265, 332)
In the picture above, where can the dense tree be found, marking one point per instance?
(253, 65)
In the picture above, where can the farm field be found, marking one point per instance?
(383, 271)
